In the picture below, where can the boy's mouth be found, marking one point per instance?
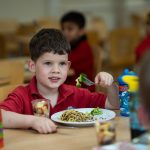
(54, 79)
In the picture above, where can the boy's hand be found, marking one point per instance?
(104, 79)
(43, 125)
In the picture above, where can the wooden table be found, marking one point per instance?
(64, 139)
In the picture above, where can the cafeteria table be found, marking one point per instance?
(66, 137)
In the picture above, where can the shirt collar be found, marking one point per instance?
(77, 41)
(33, 86)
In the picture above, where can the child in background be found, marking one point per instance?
(49, 51)
(81, 57)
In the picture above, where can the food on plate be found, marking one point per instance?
(41, 108)
(105, 132)
(96, 111)
(76, 116)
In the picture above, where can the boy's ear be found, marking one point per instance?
(31, 65)
(82, 32)
(69, 64)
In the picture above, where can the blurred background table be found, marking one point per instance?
(65, 138)
(4, 80)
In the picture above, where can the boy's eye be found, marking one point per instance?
(48, 63)
(63, 63)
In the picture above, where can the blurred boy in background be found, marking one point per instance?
(81, 57)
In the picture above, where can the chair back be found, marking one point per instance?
(123, 42)
(11, 72)
(5, 90)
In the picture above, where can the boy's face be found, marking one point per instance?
(71, 31)
(50, 69)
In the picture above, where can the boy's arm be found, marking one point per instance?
(15, 120)
(106, 80)
(112, 101)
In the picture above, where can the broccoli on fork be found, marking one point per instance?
(80, 79)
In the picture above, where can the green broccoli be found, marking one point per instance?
(80, 79)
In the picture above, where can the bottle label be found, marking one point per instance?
(124, 100)
(123, 88)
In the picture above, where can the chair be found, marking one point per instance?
(122, 42)
(96, 49)
(122, 45)
(11, 71)
(98, 25)
(92, 37)
(48, 22)
(93, 41)
(24, 35)
(97, 58)
(8, 44)
(8, 26)
(5, 90)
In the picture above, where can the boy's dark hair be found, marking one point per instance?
(144, 75)
(74, 17)
(48, 40)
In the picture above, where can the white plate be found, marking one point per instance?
(105, 116)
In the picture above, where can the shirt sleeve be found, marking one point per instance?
(13, 102)
(97, 100)
(90, 99)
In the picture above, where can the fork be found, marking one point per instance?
(87, 82)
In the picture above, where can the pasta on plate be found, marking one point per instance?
(76, 116)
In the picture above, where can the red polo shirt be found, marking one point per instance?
(19, 100)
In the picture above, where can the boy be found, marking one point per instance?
(49, 61)
(81, 57)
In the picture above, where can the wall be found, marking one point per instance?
(22, 10)
(114, 12)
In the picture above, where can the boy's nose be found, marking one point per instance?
(55, 69)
